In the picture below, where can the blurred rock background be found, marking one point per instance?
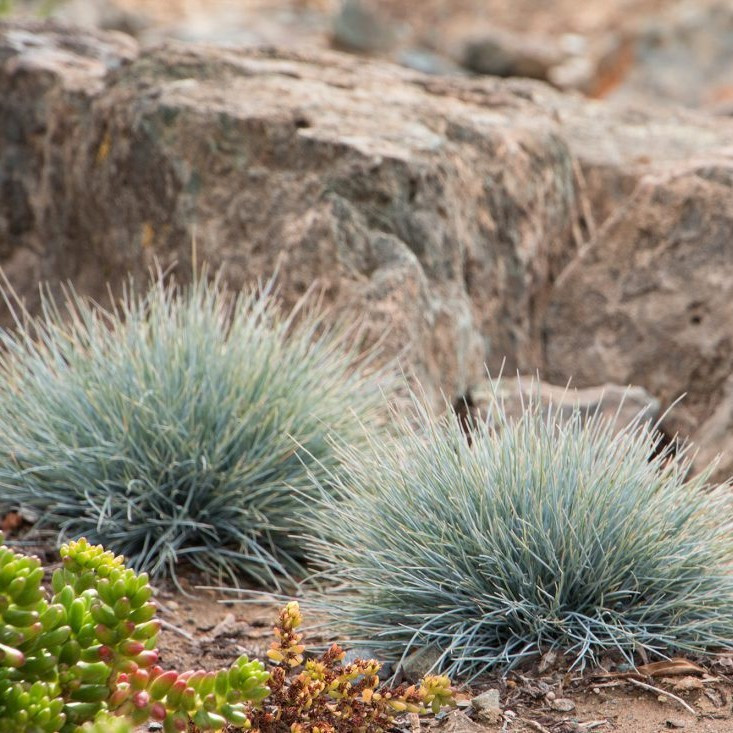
(542, 185)
(661, 51)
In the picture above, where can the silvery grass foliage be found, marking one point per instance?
(542, 533)
(181, 424)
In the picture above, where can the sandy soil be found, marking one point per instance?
(208, 630)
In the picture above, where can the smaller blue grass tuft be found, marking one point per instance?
(543, 533)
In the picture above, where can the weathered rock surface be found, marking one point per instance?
(469, 220)
(439, 217)
(623, 405)
(488, 707)
(650, 301)
(47, 80)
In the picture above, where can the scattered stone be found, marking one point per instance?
(547, 661)
(419, 663)
(685, 684)
(501, 53)
(358, 27)
(487, 706)
(675, 723)
(351, 655)
(576, 72)
(457, 721)
(562, 705)
(624, 404)
(427, 62)
(225, 626)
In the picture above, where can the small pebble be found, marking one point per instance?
(488, 706)
(562, 705)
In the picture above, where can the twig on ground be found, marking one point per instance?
(536, 726)
(172, 627)
(660, 691)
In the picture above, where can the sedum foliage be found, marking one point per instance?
(181, 425)
(72, 658)
(537, 533)
(82, 659)
(323, 695)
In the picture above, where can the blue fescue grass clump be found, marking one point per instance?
(179, 425)
(542, 533)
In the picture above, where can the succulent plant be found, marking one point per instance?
(89, 650)
(106, 723)
(83, 659)
(325, 695)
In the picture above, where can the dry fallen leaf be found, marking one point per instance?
(667, 668)
(11, 521)
(670, 668)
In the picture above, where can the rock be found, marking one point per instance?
(562, 705)
(649, 302)
(617, 146)
(385, 670)
(359, 27)
(427, 62)
(675, 723)
(502, 53)
(548, 661)
(465, 220)
(42, 67)
(226, 626)
(682, 55)
(621, 404)
(419, 663)
(102, 14)
(457, 721)
(437, 214)
(687, 683)
(487, 706)
(576, 72)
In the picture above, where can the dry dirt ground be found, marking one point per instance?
(208, 630)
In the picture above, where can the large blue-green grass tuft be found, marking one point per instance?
(181, 425)
(542, 533)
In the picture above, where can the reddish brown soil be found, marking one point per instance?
(208, 630)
